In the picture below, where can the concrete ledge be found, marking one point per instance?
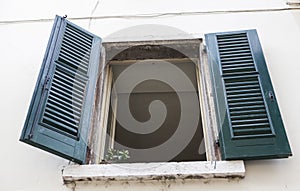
(154, 171)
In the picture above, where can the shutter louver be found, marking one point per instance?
(66, 95)
(247, 110)
(245, 101)
(58, 118)
(250, 123)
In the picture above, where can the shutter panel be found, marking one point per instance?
(250, 124)
(58, 119)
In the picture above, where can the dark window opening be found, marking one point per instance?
(140, 98)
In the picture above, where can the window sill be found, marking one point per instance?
(154, 171)
(293, 2)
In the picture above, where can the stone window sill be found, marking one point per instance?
(154, 171)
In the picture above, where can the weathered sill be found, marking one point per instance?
(154, 171)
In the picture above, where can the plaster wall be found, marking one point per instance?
(25, 27)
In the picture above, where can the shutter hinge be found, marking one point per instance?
(30, 136)
(217, 142)
(204, 49)
(45, 86)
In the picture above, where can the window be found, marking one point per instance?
(151, 130)
(79, 88)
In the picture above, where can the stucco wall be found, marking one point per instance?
(23, 44)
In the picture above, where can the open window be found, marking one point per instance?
(149, 82)
(77, 109)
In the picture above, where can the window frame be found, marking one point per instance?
(104, 83)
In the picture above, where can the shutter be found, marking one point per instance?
(58, 119)
(250, 124)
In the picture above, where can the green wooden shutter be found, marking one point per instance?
(248, 116)
(58, 119)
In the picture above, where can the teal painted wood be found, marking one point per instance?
(250, 124)
(60, 111)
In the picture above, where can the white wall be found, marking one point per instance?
(23, 44)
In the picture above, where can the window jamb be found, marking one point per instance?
(210, 128)
(105, 110)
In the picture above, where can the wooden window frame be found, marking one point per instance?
(206, 101)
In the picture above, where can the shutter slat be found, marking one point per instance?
(235, 57)
(240, 83)
(253, 132)
(243, 91)
(237, 65)
(247, 99)
(241, 69)
(248, 111)
(245, 103)
(232, 41)
(243, 86)
(237, 61)
(249, 107)
(248, 116)
(243, 96)
(230, 54)
(250, 121)
(236, 46)
(231, 49)
(232, 37)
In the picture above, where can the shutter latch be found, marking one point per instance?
(271, 96)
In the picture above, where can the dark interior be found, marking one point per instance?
(141, 97)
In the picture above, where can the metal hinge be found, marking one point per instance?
(217, 142)
(30, 136)
(45, 86)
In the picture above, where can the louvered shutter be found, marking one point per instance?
(58, 119)
(250, 124)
